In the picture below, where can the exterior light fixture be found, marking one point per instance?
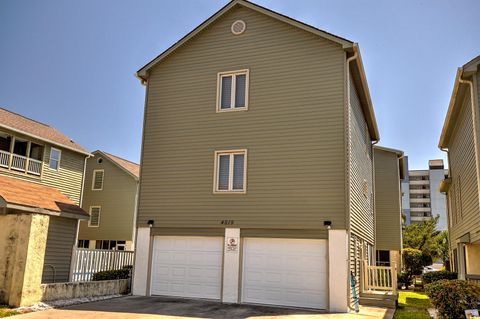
(151, 222)
(327, 223)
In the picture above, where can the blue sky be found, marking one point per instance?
(71, 64)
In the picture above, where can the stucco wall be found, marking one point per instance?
(69, 290)
(22, 250)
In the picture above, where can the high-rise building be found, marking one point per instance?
(421, 198)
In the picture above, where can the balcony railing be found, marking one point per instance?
(20, 163)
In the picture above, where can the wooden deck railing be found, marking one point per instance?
(20, 163)
(379, 278)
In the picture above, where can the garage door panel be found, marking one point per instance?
(187, 266)
(286, 272)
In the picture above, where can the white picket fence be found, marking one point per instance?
(86, 262)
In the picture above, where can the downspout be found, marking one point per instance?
(78, 221)
(347, 164)
(374, 207)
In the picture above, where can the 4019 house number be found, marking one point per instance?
(227, 222)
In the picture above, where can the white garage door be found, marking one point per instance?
(287, 272)
(187, 267)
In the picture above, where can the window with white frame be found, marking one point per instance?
(54, 161)
(94, 216)
(97, 180)
(232, 89)
(230, 171)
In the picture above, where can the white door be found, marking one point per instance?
(187, 266)
(286, 272)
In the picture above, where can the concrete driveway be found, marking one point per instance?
(134, 307)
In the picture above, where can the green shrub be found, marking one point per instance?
(413, 261)
(123, 273)
(452, 297)
(433, 276)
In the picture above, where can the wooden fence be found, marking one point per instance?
(86, 262)
(379, 278)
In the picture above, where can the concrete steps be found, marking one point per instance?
(378, 300)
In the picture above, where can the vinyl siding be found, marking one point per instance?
(117, 201)
(362, 221)
(68, 179)
(463, 194)
(387, 201)
(58, 252)
(293, 130)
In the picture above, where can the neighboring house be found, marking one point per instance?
(459, 139)
(405, 185)
(257, 170)
(110, 196)
(425, 199)
(41, 178)
(388, 207)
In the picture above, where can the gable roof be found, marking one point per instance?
(37, 198)
(347, 45)
(24, 125)
(130, 167)
(143, 72)
(454, 105)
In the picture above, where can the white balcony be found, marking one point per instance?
(20, 163)
(419, 200)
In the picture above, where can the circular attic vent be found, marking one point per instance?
(238, 27)
(100, 160)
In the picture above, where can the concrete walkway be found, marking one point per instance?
(135, 307)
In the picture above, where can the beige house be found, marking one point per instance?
(459, 139)
(389, 172)
(257, 164)
(110, 196)
(41, 178)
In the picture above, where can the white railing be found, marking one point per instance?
(34, 166)
(86, 262)
(19, 162)
(4, 159)
(379, 278)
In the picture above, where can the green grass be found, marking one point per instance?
(7, 312)
(412, 305)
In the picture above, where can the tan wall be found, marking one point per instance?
(22, 250)
(387, 200)
(117, 201)
(362, 221)
(68, 179)
(293, 130)
(472, 259)
(463, 193)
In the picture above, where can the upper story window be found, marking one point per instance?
(230, 171)
(54, 161)
(20, 155)
(232, 91)
(97, 180)
(94, 216)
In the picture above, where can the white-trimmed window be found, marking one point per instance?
(232, 91)
(230, 171)
(94, 216)
(54, 160)
(97, 180)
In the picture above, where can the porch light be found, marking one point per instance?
(327, 223)
(151, 222)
